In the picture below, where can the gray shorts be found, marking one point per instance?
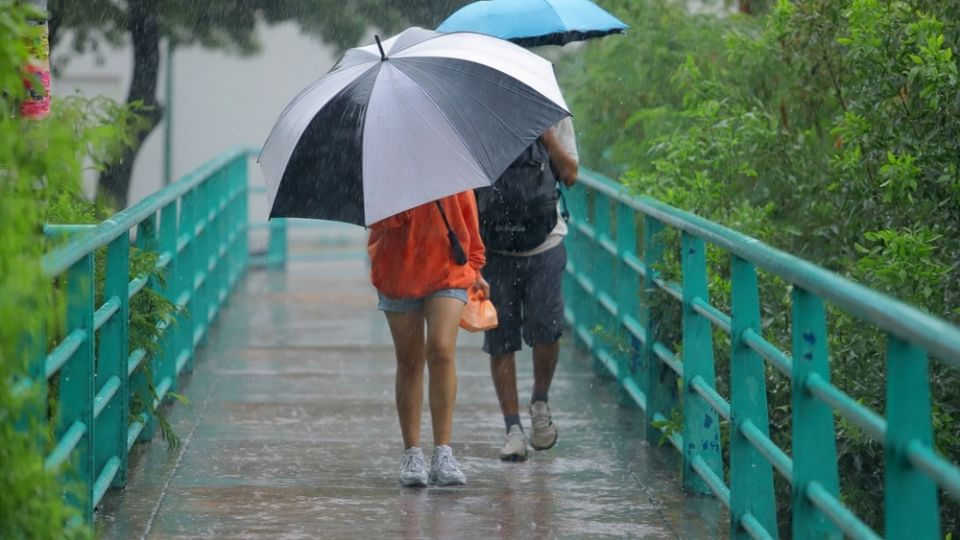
(403, 305)
(528, 295)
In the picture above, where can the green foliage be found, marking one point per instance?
(41, 163)
(828, 128)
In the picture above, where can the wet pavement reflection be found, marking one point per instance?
(291, 433)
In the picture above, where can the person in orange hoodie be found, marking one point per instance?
(423, 261)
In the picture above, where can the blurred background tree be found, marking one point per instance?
(229, 25)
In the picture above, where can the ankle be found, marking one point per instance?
(512, 420)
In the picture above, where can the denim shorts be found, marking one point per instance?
(402, 305)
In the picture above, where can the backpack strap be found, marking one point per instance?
(458, 255)
(564, 210)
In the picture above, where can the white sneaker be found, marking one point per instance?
(544, 433)
(413, 468)
(515, 446)
(444, 469)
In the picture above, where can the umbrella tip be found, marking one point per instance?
(383, 55)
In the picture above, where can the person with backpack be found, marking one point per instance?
(523, 230)
(422, 261)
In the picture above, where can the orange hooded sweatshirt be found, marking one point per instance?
(410, 254)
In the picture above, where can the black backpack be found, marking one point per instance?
(519, 211)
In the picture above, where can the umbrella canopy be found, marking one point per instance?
(532, 23)
(391, 127)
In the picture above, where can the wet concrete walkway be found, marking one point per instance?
(291, 432)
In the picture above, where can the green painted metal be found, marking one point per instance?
(77, 376)
(910, 496)
(814, 446)
(202, 226)
(751, 475)
(701, 428)
(914, 470)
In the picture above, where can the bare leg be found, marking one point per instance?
(407, 331)
(545, 357)
(443, 323)
(503, 369)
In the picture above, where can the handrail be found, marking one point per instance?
(937, 336)
(207, 210)
(606, 269)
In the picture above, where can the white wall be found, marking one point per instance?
(219, 101)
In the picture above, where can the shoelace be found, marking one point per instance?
(541, 420)
(409, 463)
(444, 461)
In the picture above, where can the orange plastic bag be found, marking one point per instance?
(479, 313)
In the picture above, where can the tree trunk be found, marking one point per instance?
(145, 37)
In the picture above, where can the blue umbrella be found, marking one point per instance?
(530, 23)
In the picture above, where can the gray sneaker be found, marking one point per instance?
(444, 469)
(544, 434)
(515, 446)
(413, 468)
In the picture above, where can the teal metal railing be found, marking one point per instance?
(612, 285)
(198, 226)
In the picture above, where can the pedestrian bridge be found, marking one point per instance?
(290, 430)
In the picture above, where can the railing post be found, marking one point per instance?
(573, 295)
(910, 496)
(814, 442)
(660, 388)
(628, 282)
(187, 276)
(111, 432)
(167, 243)
(147, 241)
(277, 247)
(751, 476)
(599, 262)
(701, 429)
(77, 384)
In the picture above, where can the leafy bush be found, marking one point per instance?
(828, 128)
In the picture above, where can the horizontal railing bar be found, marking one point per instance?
(110, 469)
(163, 260)
(838, 514)
(710, 395)
(940, 338)
(607, 302)
(106, 393)
(714, 482)
(753, 527)
(635, 392)
(66, 445)
(608, 245)
(634, 327)
(860, 416)
(162, 388)
(60, 229)
(585, 229)
(182, 242)
(768, 351)
(675, 438)
(940, 470)
(773, 454)
(182, 360)
(62, 257)
(670, 288)
(718, 318)
(133, 431)
(134, 360)
(106, 311)
(635, 264)
(136, 286)
(62, 352)
(667, 358)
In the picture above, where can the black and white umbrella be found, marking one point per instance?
(393, 126)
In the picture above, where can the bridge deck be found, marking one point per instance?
(291, 433)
